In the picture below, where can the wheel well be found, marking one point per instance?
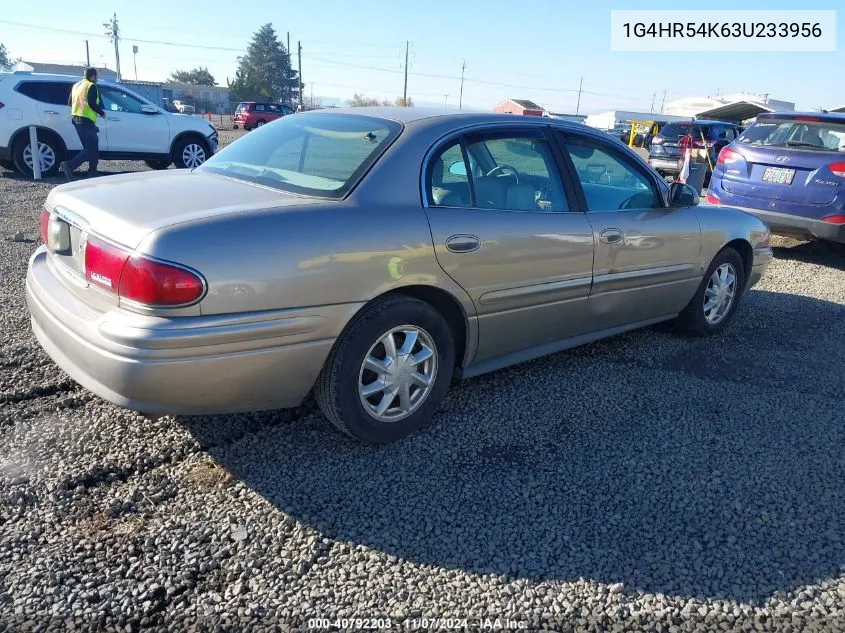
(448, 306)
(42, 132)
(745, 252)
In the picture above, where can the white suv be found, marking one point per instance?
(133, 129)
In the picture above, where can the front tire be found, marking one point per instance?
(190, 153)
(717, 298)
(49, 152)
(388, 373)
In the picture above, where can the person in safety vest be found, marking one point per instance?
(85, 106)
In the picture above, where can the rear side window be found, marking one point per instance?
(52, 92)
(321, 154)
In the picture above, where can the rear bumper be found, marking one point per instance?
(667, 165)
(796, 225)
(181, 365)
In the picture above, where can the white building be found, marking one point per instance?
(609, 120)
(732, 107)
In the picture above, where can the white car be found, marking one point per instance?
(183, 108)
(133, 129)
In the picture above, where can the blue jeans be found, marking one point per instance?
(90, 147)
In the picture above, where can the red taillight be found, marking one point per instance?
(156, 283)
(104, 263)
(838, 169)
(139, 279)
(834, 219)
(713, 199)
(45, 222)
(727, 156)
(811, 119)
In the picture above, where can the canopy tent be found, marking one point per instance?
(736, 111)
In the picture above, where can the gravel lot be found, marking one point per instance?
(648, 482)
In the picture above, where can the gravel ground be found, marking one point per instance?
(648, 482)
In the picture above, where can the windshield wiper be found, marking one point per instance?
(803, 144)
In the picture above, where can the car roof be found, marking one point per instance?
(462, 118)
(827, 116)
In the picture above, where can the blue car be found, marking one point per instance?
(788, 169)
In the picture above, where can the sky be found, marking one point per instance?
(540, 50)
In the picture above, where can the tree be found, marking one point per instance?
(197, 77)
(362, 101)
(265, 73)
(402, 103)
(4, 57)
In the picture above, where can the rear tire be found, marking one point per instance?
(50, 150)
(260, 122)
(158, 164)
(360, 362)
(720, 290)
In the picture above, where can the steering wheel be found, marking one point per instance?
(501, 169)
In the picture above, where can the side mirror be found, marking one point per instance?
(682, 195)
(148, 109)
(458, 168)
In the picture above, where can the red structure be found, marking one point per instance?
(519, 106)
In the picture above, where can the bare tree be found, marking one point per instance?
(401, 102)
(362, 101)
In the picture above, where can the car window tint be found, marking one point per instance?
(115, 100)
(609, 181)
(52, 92)
(522, 175)
(448, 183)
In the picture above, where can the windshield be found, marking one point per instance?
(821, 136)
(320, 155)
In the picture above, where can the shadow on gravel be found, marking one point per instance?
(709, 468)
(829, 254)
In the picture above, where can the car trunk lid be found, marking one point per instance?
(122, 208)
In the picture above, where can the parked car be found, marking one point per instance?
(358, 254)
(789, 170)
(184, 107)
(250, 115)
(712, 136)
(134, 128)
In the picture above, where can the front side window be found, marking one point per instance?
(115, 100)
(610, 181)
(319, 154)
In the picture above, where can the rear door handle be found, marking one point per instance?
(111, 118)
(50, 112)
(611, 236)
(463, 243)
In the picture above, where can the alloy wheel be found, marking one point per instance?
(193, 155)
(46, 157)
(719, 294)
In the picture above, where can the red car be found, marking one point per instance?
(250, 114)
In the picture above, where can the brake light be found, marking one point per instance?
(713, 199)
(834, 219)
(727, 156)
(812, 119)
(45, 222)
(140, 279)
(838, 169)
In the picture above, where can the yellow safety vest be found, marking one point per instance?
(79, 100)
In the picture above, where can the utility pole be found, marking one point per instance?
(578, 105)
(445, 99)
(312, 95)
(653, 96)
(288, 88)
(114, 35)
(299, 63)
(461, 98)
(135, 61)
(87, 55)
(405, 91)
(662, 103)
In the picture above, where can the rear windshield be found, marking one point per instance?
(316, 154)
(677, 130)
(242, 107)
(821, 136)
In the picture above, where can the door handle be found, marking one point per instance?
(611, 236)
(50, 112)
(111, 118)
(463, 243)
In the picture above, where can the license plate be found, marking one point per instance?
(778, 175)
(672, 151)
